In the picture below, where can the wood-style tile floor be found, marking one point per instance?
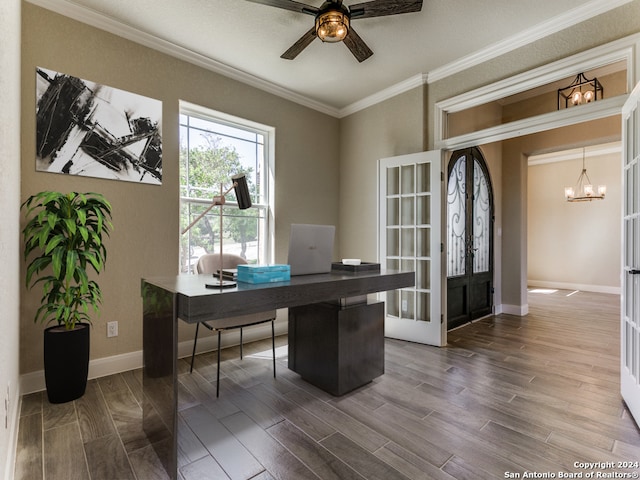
(508, 395)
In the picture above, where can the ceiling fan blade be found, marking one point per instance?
(357, 46)
(302, 43)
(380, 8)
(289, 5)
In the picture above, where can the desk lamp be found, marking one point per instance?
(239, 184)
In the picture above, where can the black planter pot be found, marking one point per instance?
(66, 362)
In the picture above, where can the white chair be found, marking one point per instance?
(210, 263)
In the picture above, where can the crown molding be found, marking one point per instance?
(390, 92)
(575, 154)
(568, 19)
(99, 20)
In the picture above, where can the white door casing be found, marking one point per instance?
(410, 238)
(630, 299)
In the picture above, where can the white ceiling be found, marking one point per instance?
(245, 40)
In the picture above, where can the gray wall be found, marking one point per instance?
(145, 238)
(393, 127)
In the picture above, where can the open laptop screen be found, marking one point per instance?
(311, 248)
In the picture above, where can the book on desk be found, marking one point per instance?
(228, 273)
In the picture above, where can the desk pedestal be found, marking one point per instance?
(337, 349)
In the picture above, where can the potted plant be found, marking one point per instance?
(66, 231)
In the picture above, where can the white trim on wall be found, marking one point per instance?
(97, 20)
(390, 92)
(574, 286)
(540, 123)
(525, 37)
(518, 310)
(554, 25)
(624, 50)
(575, 154)
(101, 367)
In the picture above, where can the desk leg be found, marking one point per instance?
(159, 380)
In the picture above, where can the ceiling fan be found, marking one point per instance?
(333, 21)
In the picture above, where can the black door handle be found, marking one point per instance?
(634, 271)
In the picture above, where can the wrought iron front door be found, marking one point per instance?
(469, 238)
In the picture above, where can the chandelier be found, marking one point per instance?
(583, 191)
(582, 90)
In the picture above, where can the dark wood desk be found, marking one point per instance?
(185, 297)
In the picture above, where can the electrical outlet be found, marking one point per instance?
(112, 329)
(405, 306)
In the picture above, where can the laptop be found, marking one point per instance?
(311, 248)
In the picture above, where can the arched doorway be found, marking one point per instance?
(470, 217)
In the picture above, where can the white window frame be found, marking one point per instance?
(267, 180)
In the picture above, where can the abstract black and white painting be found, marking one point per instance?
(84, 128)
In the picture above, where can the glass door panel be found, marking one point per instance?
(456, 220)
(481, 220)
(630, 311)
(410, 238)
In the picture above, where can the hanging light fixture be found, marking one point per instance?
(332, 22)
(582, 90)
(583, 191)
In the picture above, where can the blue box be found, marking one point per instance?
(264, 273)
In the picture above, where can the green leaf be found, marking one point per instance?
(71, 226)
(52, 219)
(57, 257)
(70, 267)
(84, 233)
(37, 265)
(53, 243)
(96, 261)
(82, 216)
(43, 236)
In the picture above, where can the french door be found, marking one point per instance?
(630, 308)
(469, 238)
(410, 239)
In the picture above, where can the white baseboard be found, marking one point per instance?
(519, 310)
(101, 367)
(575, 286)
(14, 425)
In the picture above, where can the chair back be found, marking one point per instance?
(210, 262)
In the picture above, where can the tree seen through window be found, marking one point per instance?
(210, 153)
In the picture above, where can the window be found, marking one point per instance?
(213, 147)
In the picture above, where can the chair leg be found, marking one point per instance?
(195, 341)
(240, 343)
(218, 374)
(273, 347)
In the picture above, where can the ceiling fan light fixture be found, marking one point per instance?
(332, 26)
